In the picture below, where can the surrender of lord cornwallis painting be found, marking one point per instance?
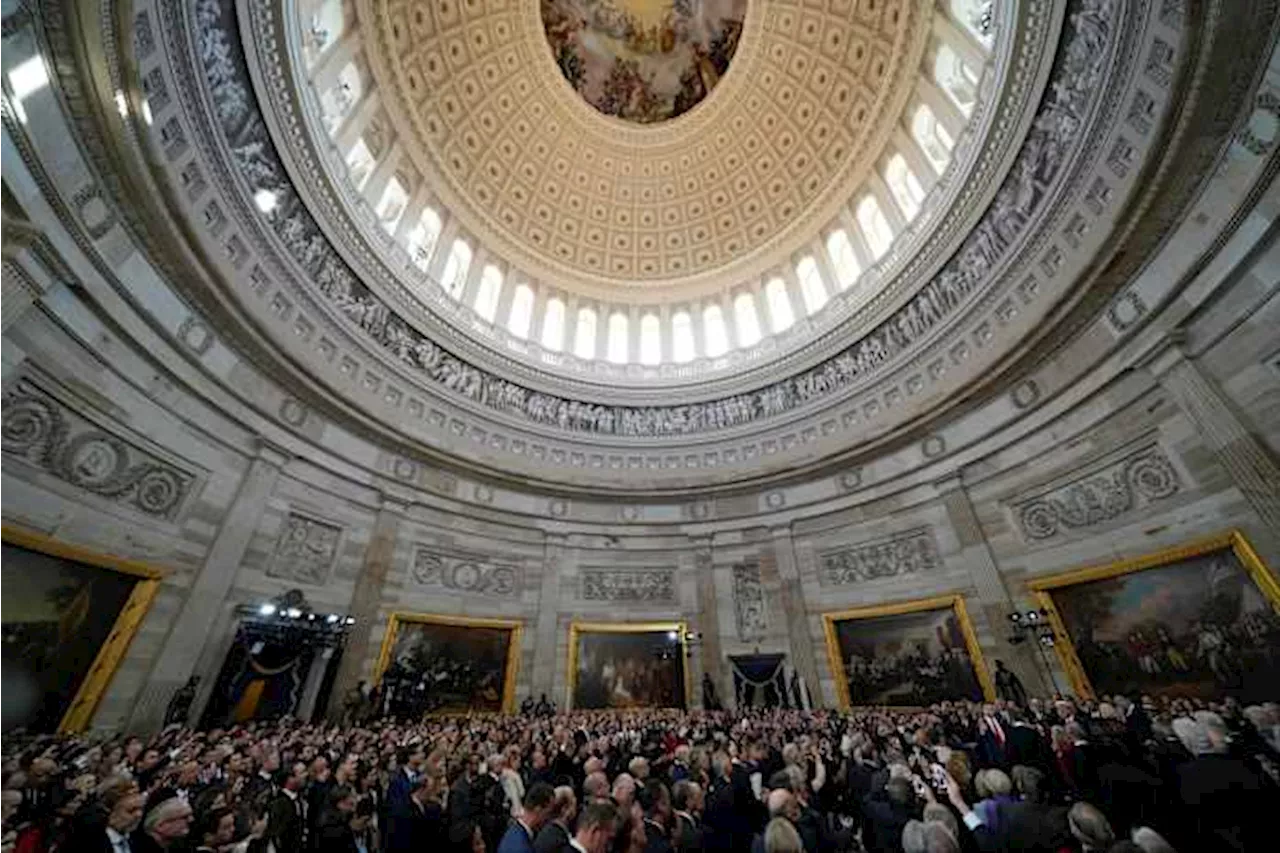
(909, 654)
(1198, 621)
(643, 60)
(68, 618)
(448, 665)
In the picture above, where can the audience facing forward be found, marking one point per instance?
(954, 778)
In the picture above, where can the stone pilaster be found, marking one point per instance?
(357, 658)
(791, 596)
(191, 630)
(1225, 433)
(706, 621)
(545, 641)
(993, 595)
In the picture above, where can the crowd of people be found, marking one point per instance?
(956, 777)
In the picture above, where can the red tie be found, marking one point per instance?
(999, 732)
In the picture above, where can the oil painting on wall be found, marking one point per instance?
(627, 666)
(911, 654)
(1197, 622)
(643, 60)
(448, 665)
(56, 615)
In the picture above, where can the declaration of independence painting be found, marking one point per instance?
(643, 60)
(1197, 622)
(627, 666)
(448, 665)
(909, 654)
(56, 615)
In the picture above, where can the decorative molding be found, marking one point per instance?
(751, 612)
(1101, 493)
(900, 554)
(459, 571)
(305, 551)
(47, 433)
(628, 585)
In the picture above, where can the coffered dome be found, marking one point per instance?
(643, 244)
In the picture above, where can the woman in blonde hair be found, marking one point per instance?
(781, 837)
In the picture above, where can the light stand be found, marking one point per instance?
(1035, 625)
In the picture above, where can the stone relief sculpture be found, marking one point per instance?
(1073, 83)
(658, 585)
(748, 602)
(461, 572)
(44, 432)
(305, 551)
(901, 554)
(1099, 496)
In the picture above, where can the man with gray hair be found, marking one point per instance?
(624, 791)
(1226, 799)
(595, 788)
(554, 836)
(164, 826)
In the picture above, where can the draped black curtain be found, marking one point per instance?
(759, 681)
(261, 678)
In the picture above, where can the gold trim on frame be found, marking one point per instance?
(941, 602)
(513, 645)
(576, 628)
(1042, 589)
(80, 711)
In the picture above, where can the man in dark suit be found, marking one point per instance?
(538, 803)
(733, 812)
(992, 739)
(122, 804)
(417, 823)
(686, 802)
(410, 760)
(1024, 745)
(655, 799)
(554, 836)
(287, 823)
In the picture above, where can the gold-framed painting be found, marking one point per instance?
(906, 654)
(435, 664)
(628, 665)
(1200, 620)
(68, 616)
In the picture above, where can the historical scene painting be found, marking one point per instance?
(437, 668)
(1198, 627)
(643, 60)
(629, 670)
(906, 659)
(56, 615)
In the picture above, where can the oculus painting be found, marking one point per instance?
(627, 667)
(56, 615)
(441, 665)
(643, 60)
(1195, 626)
(905, 655)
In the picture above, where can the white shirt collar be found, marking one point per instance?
(293, 795)
(115, 837)
(573, 842)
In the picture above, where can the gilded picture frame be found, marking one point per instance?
(954, 602)
(79, 712)
(1042, 589)
(400, 618)
(577, 629)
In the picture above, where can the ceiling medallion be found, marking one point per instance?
(643, 61)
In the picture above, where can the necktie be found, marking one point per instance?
(122, 846)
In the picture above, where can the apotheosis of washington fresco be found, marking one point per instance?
(643, 60)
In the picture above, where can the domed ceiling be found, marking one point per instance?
(643, 60)
(545, 180)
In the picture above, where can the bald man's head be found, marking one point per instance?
(782, 803)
